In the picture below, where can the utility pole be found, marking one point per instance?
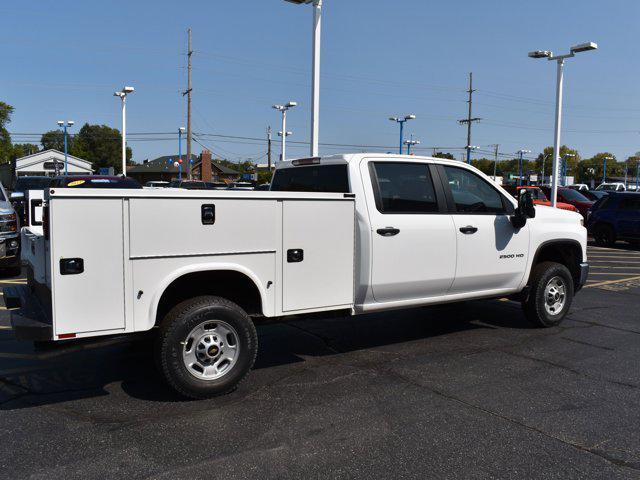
(469, 120)
(495, 159)
(188, 94)
(269, 147)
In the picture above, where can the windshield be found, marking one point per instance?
(31, 183)
(607, 187)
(574, 195)
(317, 178)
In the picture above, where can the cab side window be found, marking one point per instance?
(403, 188)
(472, 194)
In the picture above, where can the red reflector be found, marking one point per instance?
(67, 335)
(306, 161)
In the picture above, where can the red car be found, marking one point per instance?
(573, 197)
(538, 196)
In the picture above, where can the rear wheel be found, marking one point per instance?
(604, 236)
(206, 346)
(550, 296)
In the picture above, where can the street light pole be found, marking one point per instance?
(583, 47)
(64, 125)
(315, 72)
(180, 132)
(410, 143)
(401, 122)
(283, 109)
(123, 96)
(564, 167)
(521, 152)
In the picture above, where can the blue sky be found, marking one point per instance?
(64, 59)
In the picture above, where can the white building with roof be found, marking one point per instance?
(44, 164)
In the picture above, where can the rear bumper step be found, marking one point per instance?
(29, 320)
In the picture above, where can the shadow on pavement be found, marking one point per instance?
(32, 376)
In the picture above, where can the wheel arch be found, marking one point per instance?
(231, 281)
(567, 252)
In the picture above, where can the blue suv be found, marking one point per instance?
(615, 217)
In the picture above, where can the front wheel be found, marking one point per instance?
(550, 296)
(206, 346)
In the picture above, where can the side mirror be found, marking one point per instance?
(16, 196)
(526, 209)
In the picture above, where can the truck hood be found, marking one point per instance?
(544, 212)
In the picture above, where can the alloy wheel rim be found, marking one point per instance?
(211, 350)
(555, 295)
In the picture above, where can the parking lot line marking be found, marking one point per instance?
(613, 261)
(6, 327)
(609, 282)
(613, 266)
(612, 273)
(11, 282)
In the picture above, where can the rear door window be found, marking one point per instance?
(403, 188)
(315, 178)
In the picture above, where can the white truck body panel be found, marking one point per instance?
(135, 243)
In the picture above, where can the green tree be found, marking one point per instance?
(6, 149)
(54, 140)
(101, 145)
(593, 168)
(571, 155)
(23, 149)
(444, 155)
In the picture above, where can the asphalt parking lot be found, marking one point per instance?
(460, 391)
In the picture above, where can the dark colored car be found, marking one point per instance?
(572, 197)
(615, 217)
(93, 181)
(188, 184)
(594, 195)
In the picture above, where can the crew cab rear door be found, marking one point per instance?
(413, 237)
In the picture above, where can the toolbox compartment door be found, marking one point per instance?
(317, 254)
(91, 230)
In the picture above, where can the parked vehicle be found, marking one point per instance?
(594, 195)
(581, 187)
(263, 186)
(240, 186)
(216, 185)
(188, 184)
(572, 197)
(539, 198)
(616, 217)
(20, 188)
(611, 187)
(9, 234)
(93, 181)
(156, 184)
(348, 233)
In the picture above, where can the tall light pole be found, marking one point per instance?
(410, 143)
(283, 109)
(544, 157)
(64, 125)
(604, 169)
(315, 72)
(469, 148)
(564, 167)
(181, 130)
(401, 122)
(521, 153)
(583, 47)
(123, 96)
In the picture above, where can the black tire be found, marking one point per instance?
(604, 236)
(172, 340)
(535, 306)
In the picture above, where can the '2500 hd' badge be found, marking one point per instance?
(512, 255)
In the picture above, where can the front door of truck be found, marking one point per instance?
(492, 254)
(413, 238)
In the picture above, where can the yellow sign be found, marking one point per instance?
(75, 183)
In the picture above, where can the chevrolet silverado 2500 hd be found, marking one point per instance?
(355, 233)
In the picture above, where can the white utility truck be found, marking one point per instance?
(354, 233)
